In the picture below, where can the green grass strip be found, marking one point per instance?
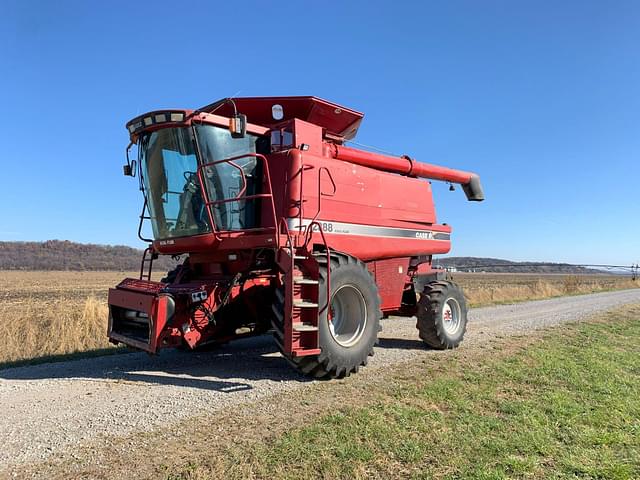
(565, 407)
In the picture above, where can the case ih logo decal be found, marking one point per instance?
(369, 230)
(425, 235)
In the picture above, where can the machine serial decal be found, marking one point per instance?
(369, 230)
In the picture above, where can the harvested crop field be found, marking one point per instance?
(494, 288)
(44, 314)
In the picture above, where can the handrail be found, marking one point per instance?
(283, 222)
(320, 194)
(237, 167)
(302, 228)
(142, 219)
(152, 257)
(308, 236)
(240, 197)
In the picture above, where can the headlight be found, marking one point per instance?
(153, 119)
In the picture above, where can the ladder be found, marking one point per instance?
(302, 281)
(147, 261)
(301, 296)
(301, 268)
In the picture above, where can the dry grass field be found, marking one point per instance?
(53, 313)
(44, 314)
(494, 288)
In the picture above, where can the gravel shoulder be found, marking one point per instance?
(53, 408)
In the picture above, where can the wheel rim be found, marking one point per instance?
(347, 315)
(451, 316)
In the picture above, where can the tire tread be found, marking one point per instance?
(430, 330)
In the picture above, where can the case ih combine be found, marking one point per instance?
(283, 227)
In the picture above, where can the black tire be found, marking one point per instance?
(341, 355)
(442, 315)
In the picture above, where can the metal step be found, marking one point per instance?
(304, 327)
(304, 304)
(300, 257)
(306, 352)
(304, 281)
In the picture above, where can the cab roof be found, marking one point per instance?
(333, 118)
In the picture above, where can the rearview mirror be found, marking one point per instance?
(129, 169)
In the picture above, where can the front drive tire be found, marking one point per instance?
(348, 334)
(442, 315)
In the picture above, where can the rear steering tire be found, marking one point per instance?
(442, 315)
(348, 328)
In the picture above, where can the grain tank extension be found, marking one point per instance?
(281, 227)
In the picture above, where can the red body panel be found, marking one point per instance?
(391, 277)
(365, 195)
(355, 194)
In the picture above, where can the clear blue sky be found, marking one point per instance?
(541, 98)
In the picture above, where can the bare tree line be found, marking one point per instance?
(66, 255)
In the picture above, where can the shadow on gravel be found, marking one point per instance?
(403, 344)
(64, 357)
(222, 369)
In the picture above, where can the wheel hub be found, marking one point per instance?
(347, 315)
(451, 316)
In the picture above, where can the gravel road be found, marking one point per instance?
(55, 406)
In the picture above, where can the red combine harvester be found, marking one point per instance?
(284, 228)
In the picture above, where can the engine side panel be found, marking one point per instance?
(364, 212)
(391, 276)
(357, 194)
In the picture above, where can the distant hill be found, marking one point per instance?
(497, 265)
(66, 255)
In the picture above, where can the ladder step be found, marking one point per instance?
(304, 327)
(304, 304)
(300, 257)
(306, 352)
(304, 281)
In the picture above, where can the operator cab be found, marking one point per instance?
(170, 177)
(204, 174)
(199, 177)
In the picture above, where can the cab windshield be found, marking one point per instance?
(170, 179)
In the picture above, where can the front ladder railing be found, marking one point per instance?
(241, 195)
